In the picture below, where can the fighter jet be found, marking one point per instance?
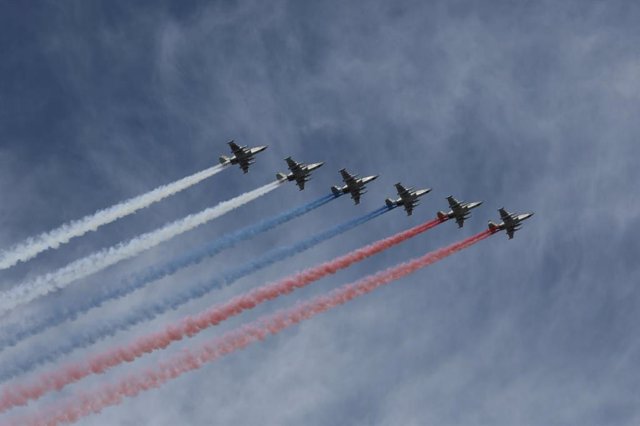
(242, 155)
(510, 222)
(460, 210)
(300, 172)
(354, 185)
(408, 198)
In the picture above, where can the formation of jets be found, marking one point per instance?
(355, 186)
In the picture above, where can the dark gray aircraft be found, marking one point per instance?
(242, 155)
(460, 210)
(354, 185)
(408, 198)
(300, 172)
(510, 222)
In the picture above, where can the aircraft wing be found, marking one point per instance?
(401, 189)
(409, 208)
(453, 203)
(504, 215)
(244, 165)
(510, 232)
(460, 221)
(346, 176)
(294, 166)
(355, 195)
(235, 148)
(300, 181)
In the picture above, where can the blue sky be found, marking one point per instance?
(532, 106)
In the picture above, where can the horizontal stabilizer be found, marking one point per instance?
(281, 176)
(442, 215)
(493, 226)
(336, 191)
(390, 203)
(224, 160)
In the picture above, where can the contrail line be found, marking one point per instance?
(31, 247)
(31, 326)
(136, 316)
(188, 360)
(81, 268)
(19, 394)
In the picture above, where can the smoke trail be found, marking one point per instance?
(20, 394)
(188, 360)
(95, 262)
(137, 316)
(16, 332)
(31, 247)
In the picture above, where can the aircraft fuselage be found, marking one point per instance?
(356, 185)
(461, 212)
(247, 154)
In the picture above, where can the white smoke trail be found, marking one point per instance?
(31, 247)
(95, 262)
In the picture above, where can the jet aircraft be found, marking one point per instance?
(510, 222)
(300, 172)
(242, 155)
(408, 198)
(354, 185)
(460, 210)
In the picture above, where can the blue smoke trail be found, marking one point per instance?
(36, 325)
(138, 316)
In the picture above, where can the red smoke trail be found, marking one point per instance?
(20, 394)
(232, 341)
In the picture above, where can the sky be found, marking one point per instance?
(528, 105)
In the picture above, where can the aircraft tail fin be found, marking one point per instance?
(224, 160)
(492, 226)
(389, 202)
(281, 177)
(442, 215)
(335, 190)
